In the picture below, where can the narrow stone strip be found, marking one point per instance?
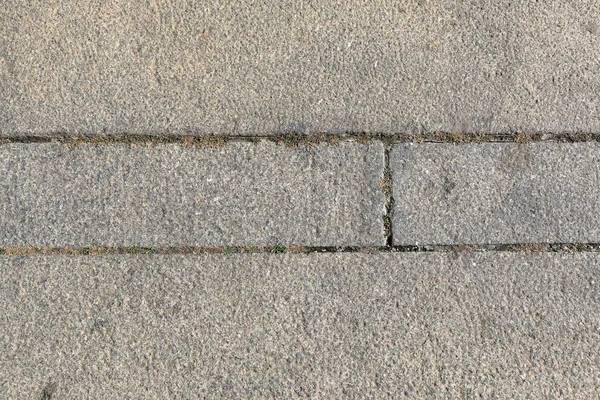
(244, 194)
(351, 326)
(496, 193)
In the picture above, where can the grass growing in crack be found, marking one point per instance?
(581, 246)
(75, 252)
(140, 250)
(279, 249)
(99, 251)
(229, 251)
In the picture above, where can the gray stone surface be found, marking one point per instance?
(332, 326)
(496, 193)
(169, 195)
(247, 67)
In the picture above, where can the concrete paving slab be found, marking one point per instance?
(261, 67)
(496, 193)
(170, 195)
(353, 326)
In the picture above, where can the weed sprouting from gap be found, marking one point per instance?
(140, 250)
(279, 249)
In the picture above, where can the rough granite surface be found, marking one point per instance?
(266, 66)
(169, 195)
(352, 326)
(496, 193)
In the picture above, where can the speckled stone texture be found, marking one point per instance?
(496, 193)
(261, 67)
(242, 194)
(353, 326)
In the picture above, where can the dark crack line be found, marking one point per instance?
(387, 186)
(281, 249)
(294, 140)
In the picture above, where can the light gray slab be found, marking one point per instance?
(169, 195)
(248, 67)
(496, 193)
(354, 326)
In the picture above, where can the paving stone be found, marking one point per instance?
(259, 67)
(354, 326)
(170, 195)
(496, 193)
